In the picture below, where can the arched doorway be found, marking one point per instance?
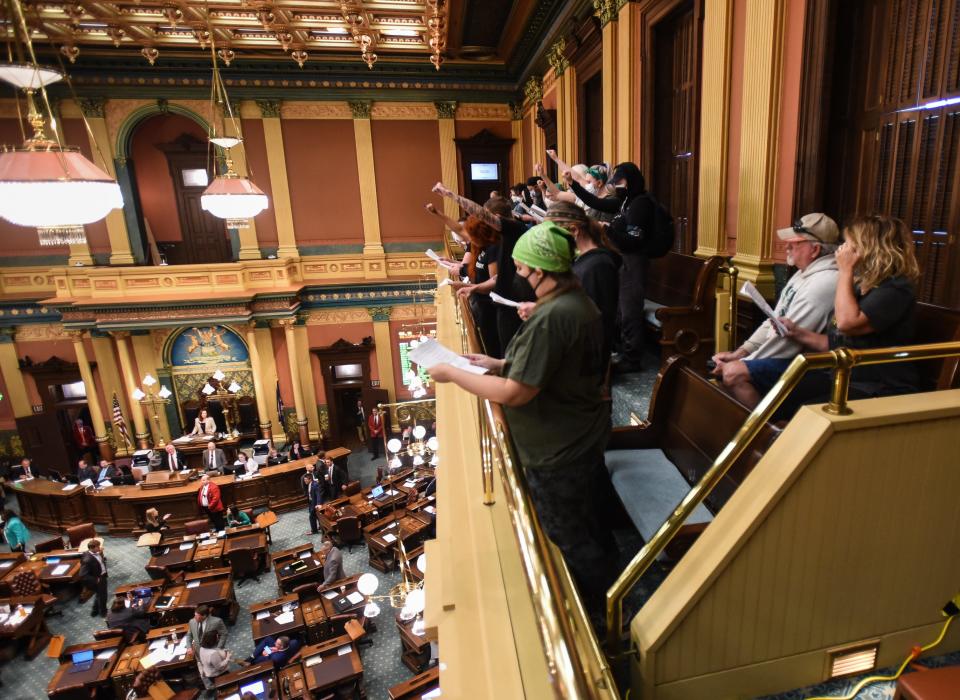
(170, 165)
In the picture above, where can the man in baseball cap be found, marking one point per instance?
(752, 369)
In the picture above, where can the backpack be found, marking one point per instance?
(655, 243)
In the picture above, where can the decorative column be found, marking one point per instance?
(112, 384)
(263, 337)
(374, 258)
(380, 315)
(249, 248)
(446, 114)
(306, 378)
(147, 361)
(280, 187)
(566, 101)
(533, 91)
(759, 142)
(12, 377)
(142, 432)
(93, 401)
(287, 325)
(516, 150)
(263, 404)
(101, 145)
(628, 74)
(609, 39)
(714, 132)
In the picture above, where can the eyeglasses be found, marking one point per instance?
(800, 228)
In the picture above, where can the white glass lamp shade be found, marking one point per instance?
(419, 432)
(371, 609)
(406, 613)
(226, 141)
(138, 394)
(233, 198)
(219, 376)
(28, 77)
(422, 563)
(435, 460)
(395, 463)
(54, 188)
(433, 443)
(149, 380)
(417, 461)
(419, 393)
(165, 393)
(394, 445)
(207, 389)
(367, 584)
(234, 387)
(416, 601)
(418, 627)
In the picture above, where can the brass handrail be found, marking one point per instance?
(577, 665)
(842, 361)
(732, 272)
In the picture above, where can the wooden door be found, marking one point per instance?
(204, 235)
(46, 443)
(372, 397)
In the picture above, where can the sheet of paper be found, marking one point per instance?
(388, 538)
(5, 564)
(70, 487)
(60, 570)
(86, 482)
(284, 618)
(330, 595)
(431, 352)
(305, 555)
(185, 546)
(431, 695)
(157, 644)
(762, 304)
(263, 614)
(430, 509)
(356, 597)
(497, 299)
(312, 661)
(207, 543)
(181, 440)
(193, 584)
(344, 650)
(149, 660)
(106, 654)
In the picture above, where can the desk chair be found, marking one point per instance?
(244, 565)
(306, 592)
(27, 583)
(349, 532)
(79, 533)
(351, 488)
(50, 545)
(197, 527)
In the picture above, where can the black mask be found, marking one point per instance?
(621, 191)
(522, 289)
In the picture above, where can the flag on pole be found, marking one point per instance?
(119, 422)
(280, 407)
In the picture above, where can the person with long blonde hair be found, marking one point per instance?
(874, 306)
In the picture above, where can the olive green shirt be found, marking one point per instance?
(559, 350)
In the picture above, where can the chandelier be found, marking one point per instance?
(44, 184)
(229, 196)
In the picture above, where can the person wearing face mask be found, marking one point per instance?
(634, 218)
(485, 241)
(550, 387)
(497, 214)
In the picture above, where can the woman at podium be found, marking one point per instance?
(203, 424)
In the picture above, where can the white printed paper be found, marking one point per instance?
(762, 304)
(70, 487)
(284, 618)
(355, 598)
(60, 570)
(312, 661)
(263, 614)
(330, 595)
(497, 299)
(430, 353)
(185, 546)
(344, 650)
(388, 538)
(193, 584)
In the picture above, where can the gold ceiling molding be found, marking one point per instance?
(36, 332)
(360, 314)
(403, 110)
(483, 111)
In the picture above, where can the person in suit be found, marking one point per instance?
(214, 460)
(334, 479)
(278, 650)
(85, 471)
(107, 472)
(129, 616)
(203, 424)
(375, 424)
(173, 459)
(274, 457)
(84, 438)
(213, 660)
(332, 563)
(203, 622)
(314, 500)
(298, 451)
(361, 419)
(93, 576)
(25, 470)
(208, 498)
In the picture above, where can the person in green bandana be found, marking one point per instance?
(549, 384)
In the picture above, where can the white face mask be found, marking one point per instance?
(516, 199)
(591, 188)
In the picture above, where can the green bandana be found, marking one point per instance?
(597, 175)
(545, 247)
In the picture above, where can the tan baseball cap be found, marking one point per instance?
(819, 228)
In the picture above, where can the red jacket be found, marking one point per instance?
(376, 430)
(213, 498)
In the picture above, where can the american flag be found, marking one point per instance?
(279, 406)
(119, 422)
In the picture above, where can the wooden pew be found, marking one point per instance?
(680, 306)
(938, 324)
(653, 465)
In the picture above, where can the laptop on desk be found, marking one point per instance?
(81, 660)
(377, 492)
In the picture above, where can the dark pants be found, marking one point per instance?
(216, 517)
(261, 645)
(375, 441)
(508, 323)
(314, 523)
(485, 316)
(632, 277)
(566, 498)
(97, 584)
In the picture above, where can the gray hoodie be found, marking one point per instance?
(807, 300)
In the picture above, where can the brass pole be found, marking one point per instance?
(840, 389)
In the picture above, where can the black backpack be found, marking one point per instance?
(655, 243)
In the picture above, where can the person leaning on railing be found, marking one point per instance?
(874, 307)
(550, 387)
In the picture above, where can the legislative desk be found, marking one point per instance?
(155, 586)
(22, 618)
(66, 682)
(231, 686)
(8, 562)
(277, 617)
(417, 688)
(384, 535)
(414, 648)
(296, 566)
(343, 598)
(150, 653)
(192, 449)
(54, 569)
(47, 505)
(323, 667)
(213, 587)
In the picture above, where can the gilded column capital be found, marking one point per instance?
(92, 107)
(557, 58)
(446, 110)
(7, 335)
(516, 110)
(533, 88)
(269, 109)
(119, 335)
(380, 313)
(606, 10)
(360, 108)
(75, 335)
(285, 323)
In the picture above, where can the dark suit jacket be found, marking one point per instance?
(17, 472)
(164, 462)
(89, 566)
(219, 459)
(333, 567)
(113, 475)
(88, 473)
(335, 487)
(280, 658)
(299, 454)
(133, 617)
(315, 494)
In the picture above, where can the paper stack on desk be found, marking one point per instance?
(60, 570)
(284, 618)
(356, 597)
(389, 537)
(185, 546)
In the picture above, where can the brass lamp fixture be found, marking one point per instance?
(153, 397)
(227, 396)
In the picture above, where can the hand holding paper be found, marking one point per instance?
(497, 299)
(762, 304)
(430, 353)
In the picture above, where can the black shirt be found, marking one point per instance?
(482, 264)
(599, 273)
(891, 309)
(506, 284)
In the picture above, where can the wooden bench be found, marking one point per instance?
(680, 306)
(653, 465)
(938, 324)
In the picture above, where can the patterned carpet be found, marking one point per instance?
(27, 680)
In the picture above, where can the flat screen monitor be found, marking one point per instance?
(347, 371)
(377, 491)
(80, 657)
(256, 688)
(485, 171)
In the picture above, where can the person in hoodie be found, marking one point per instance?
(751, 370)
(634, 216)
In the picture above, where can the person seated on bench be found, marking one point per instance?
(550, 386)
(751, 370)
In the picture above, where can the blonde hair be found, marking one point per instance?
(886, 250)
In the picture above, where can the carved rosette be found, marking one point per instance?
(360, 109)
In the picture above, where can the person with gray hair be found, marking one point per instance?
(807, 299)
